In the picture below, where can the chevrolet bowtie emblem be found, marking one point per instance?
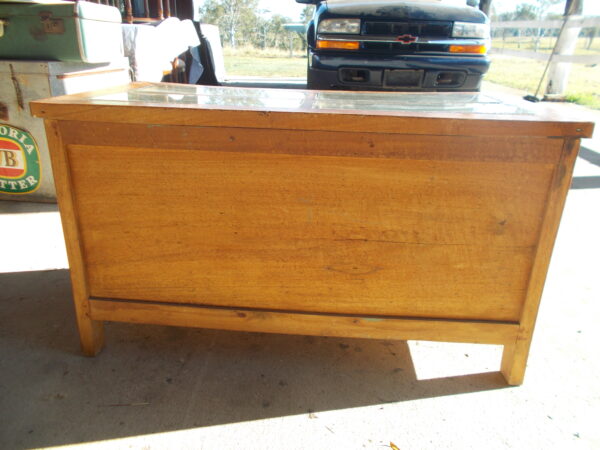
(406, 39)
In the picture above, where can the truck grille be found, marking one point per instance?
(404, 48)
(417, 29)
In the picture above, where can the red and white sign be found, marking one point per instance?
(12, 159)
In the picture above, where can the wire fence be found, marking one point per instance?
(535, 39)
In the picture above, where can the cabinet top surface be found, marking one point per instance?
(196, 102)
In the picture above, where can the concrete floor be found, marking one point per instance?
(161, 387)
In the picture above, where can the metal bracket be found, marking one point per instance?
(3, 111)
(51, 26)
(3, 23)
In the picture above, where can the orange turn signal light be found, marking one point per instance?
(479, 49)
(340, 45)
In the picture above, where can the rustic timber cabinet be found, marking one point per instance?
(373, 215)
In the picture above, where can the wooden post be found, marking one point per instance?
(159, 10)
(484, 6)
(574, 7)
(515, 354)
(91, 332)
(558, 72)
(128, 11)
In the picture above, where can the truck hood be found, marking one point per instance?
(402, 9)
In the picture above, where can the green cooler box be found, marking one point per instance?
(60, 30)
(25, 170)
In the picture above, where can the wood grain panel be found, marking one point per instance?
(324, 143)
(309, 233)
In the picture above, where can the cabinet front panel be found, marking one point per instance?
(338, 234)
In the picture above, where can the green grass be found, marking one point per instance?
(524, 74)
(585, 99)
(265, 66)
(270, 62)
(519, 73)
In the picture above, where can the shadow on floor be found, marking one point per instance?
(586, 182)
(21, 207)
(590, 156)
(152, 379)
(592, 182)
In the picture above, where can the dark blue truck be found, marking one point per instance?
(420, 45)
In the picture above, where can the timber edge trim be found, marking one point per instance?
(300, 323)
(83, 107)
(347, 121)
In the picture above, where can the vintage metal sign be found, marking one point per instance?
(20, 171)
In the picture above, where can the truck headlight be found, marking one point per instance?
(471, 30)
(343, 26)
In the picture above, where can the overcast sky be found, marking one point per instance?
(292, 9)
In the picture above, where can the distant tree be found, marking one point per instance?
(263, 27)
(234, 17)
(541, 12)
(241, 22)
(278, 34)
(543, 6)
(211, 12)
(307, 13)
(524, 11)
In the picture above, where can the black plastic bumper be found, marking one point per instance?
(406, 73)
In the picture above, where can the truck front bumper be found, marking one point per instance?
(391, 72)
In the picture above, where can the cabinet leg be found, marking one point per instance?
(91, 334)
(514, 361)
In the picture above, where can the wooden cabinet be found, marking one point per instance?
(375, 215)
